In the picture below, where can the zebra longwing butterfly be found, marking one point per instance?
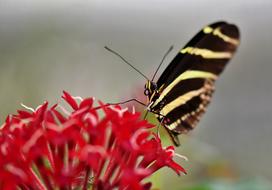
(180, 96)
(183, 91)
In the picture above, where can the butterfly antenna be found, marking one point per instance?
(117, 54)
(165, 55)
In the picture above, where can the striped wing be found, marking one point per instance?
(187, 84)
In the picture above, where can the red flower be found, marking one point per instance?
(46, 149)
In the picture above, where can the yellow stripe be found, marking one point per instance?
(206, 53)
(218, 33)
(207, 30)
(180, 101)
(173, 125)
(190, 74)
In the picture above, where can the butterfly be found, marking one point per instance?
(183, 91)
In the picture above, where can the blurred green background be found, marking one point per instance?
(48, 46)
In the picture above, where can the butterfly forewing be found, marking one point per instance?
(187, 84)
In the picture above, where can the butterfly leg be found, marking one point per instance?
(127, 101)
(146, 113)
(162, 120)
(124, 102)
(161, 123)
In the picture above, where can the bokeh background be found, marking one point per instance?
(48, 46)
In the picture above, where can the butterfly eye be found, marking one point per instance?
(146, 92)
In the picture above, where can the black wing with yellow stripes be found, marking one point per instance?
(184, 89)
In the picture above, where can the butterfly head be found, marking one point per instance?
(150, 88)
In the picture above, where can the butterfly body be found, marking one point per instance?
(180, 96)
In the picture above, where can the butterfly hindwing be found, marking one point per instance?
(187, 84)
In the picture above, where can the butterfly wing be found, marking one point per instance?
(187, 84)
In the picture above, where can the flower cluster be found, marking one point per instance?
(100, 148)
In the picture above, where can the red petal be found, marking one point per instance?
(88, 102)
(71, 101)
(24, 114)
